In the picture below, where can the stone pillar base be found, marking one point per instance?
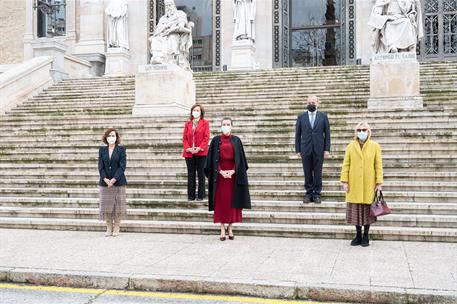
(97, 61)
(117, 62)
(243, 55)
(163, 90)
(395, 81)
(56, 49)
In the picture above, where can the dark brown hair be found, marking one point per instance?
(201, 110)
(107, 132)
(227, 118)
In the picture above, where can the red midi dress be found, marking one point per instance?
(223, 211)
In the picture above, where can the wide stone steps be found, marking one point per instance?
(178, 174)
(255, 184)
(250, 149)
(268, 194)
(257, 217)
(425, 208)
(253, 229)
(267, 117)
(49, 149)
(254, 168)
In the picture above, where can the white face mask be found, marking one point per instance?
(226, 129)
(362, 135)
(196, 114)
(111, 140)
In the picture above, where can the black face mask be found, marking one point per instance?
(311, 107)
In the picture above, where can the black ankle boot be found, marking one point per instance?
(358, 237)
(366, 237)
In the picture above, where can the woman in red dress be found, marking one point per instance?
(226, 169)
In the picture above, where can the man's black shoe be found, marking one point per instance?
(317, 199)
(307, 199)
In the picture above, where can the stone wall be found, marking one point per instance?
(12, 28)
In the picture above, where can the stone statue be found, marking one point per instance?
(172, 38)
(116, 13)
(244, 19)
(397, 25)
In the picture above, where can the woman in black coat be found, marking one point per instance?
(226, 168)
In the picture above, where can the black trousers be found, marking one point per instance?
(195, 164)
(312, 169)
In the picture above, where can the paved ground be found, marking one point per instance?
(272, 267)
(27, 294)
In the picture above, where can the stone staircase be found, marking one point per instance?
(49, 145)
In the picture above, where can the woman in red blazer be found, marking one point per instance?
(195, 140)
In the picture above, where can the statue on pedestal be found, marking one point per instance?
(397, 25)
(244, 19)
(172, 38)
(116, 13)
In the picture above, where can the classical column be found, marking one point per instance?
(70, 25)
(29, 36)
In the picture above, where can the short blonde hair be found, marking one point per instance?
(363, 125)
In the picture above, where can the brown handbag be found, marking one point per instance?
(379, 206)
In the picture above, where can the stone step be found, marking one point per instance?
(79, 103)
(398, 162)
(178, 174)
(254, 168)
(268, 194)
(253, 129)
(337, 151)
(264, 118)
(255, 184)
(249, 216)
(252, 229)
(435, 208)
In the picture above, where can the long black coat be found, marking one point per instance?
(241, 197)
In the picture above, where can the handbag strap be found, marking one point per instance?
(381, 197)
(375, 198)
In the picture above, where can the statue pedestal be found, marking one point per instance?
(117, 62)
(163, 90)
(395, 82)
(243, 55)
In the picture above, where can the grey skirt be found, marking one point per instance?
(113, 202)
(359, 214)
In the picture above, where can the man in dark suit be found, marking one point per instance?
(312, 143)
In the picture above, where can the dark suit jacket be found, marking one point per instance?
(114, 167)
(312, 140)
(241, 197)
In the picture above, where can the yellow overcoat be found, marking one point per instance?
(362, 170)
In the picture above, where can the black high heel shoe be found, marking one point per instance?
(230, 237)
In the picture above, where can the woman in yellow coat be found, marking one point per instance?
(361, 177)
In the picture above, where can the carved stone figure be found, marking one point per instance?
(116, 13)
(244, 19)
(397, 25)
(172, 38)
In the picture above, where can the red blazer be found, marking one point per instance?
(200, 138)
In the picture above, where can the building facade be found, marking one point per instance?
(289, 33)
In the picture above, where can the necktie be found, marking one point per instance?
(313, 115)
